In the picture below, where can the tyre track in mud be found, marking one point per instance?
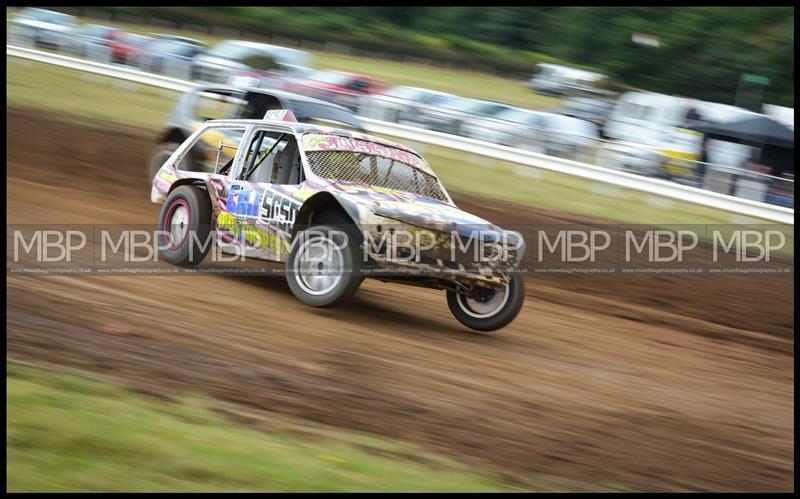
(658, 384)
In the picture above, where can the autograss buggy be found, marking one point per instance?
(336, 206)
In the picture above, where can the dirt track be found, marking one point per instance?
(656, 383)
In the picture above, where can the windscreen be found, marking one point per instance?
(583, 105)
(293, 57)
(229, 50)
(55, 17)
(459, 104)
(572, 126)
(488, 108)
(519, 116)
(347, 159)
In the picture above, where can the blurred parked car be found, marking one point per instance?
(171, 55)
(592, 110)
(545, 133)
(232, 57)
(567, 137)
(42, 28)
(554, 79)
(507, 128)
(206, 102)
(398, 104)
(272, 79)
(448, 114)
(339, 87)
(91, 41)
(127, 48)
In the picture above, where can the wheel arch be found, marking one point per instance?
(322, 201)
(197, 182)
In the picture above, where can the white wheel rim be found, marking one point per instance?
(178, 224)
(486, 308)
(318, 266)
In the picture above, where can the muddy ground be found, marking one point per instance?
(650, 382)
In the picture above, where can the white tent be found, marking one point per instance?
(783, 115)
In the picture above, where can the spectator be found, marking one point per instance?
(753, 181)
(693, 120)
(700, 171)
(692, 115)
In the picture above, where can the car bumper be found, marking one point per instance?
(436, 253)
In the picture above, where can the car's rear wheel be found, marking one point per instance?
(491, 309)
(323, 268)
(185, 226)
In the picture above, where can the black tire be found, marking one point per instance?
(489, 321)
(159, 156)
(193, 246)
(347, 259)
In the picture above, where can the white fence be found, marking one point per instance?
(652, 186)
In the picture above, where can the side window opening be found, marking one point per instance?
(273, 157)
(213, 151)
(287, 168)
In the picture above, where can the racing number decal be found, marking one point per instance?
(261, 220)
(279, 210)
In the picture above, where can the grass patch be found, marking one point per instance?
(67, 432)
(85, 95)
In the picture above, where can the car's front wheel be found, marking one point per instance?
(489, 310)
(185, 226)
(323, 268)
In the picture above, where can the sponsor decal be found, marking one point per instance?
(253, 236)
(169, 177)
(243, 201)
